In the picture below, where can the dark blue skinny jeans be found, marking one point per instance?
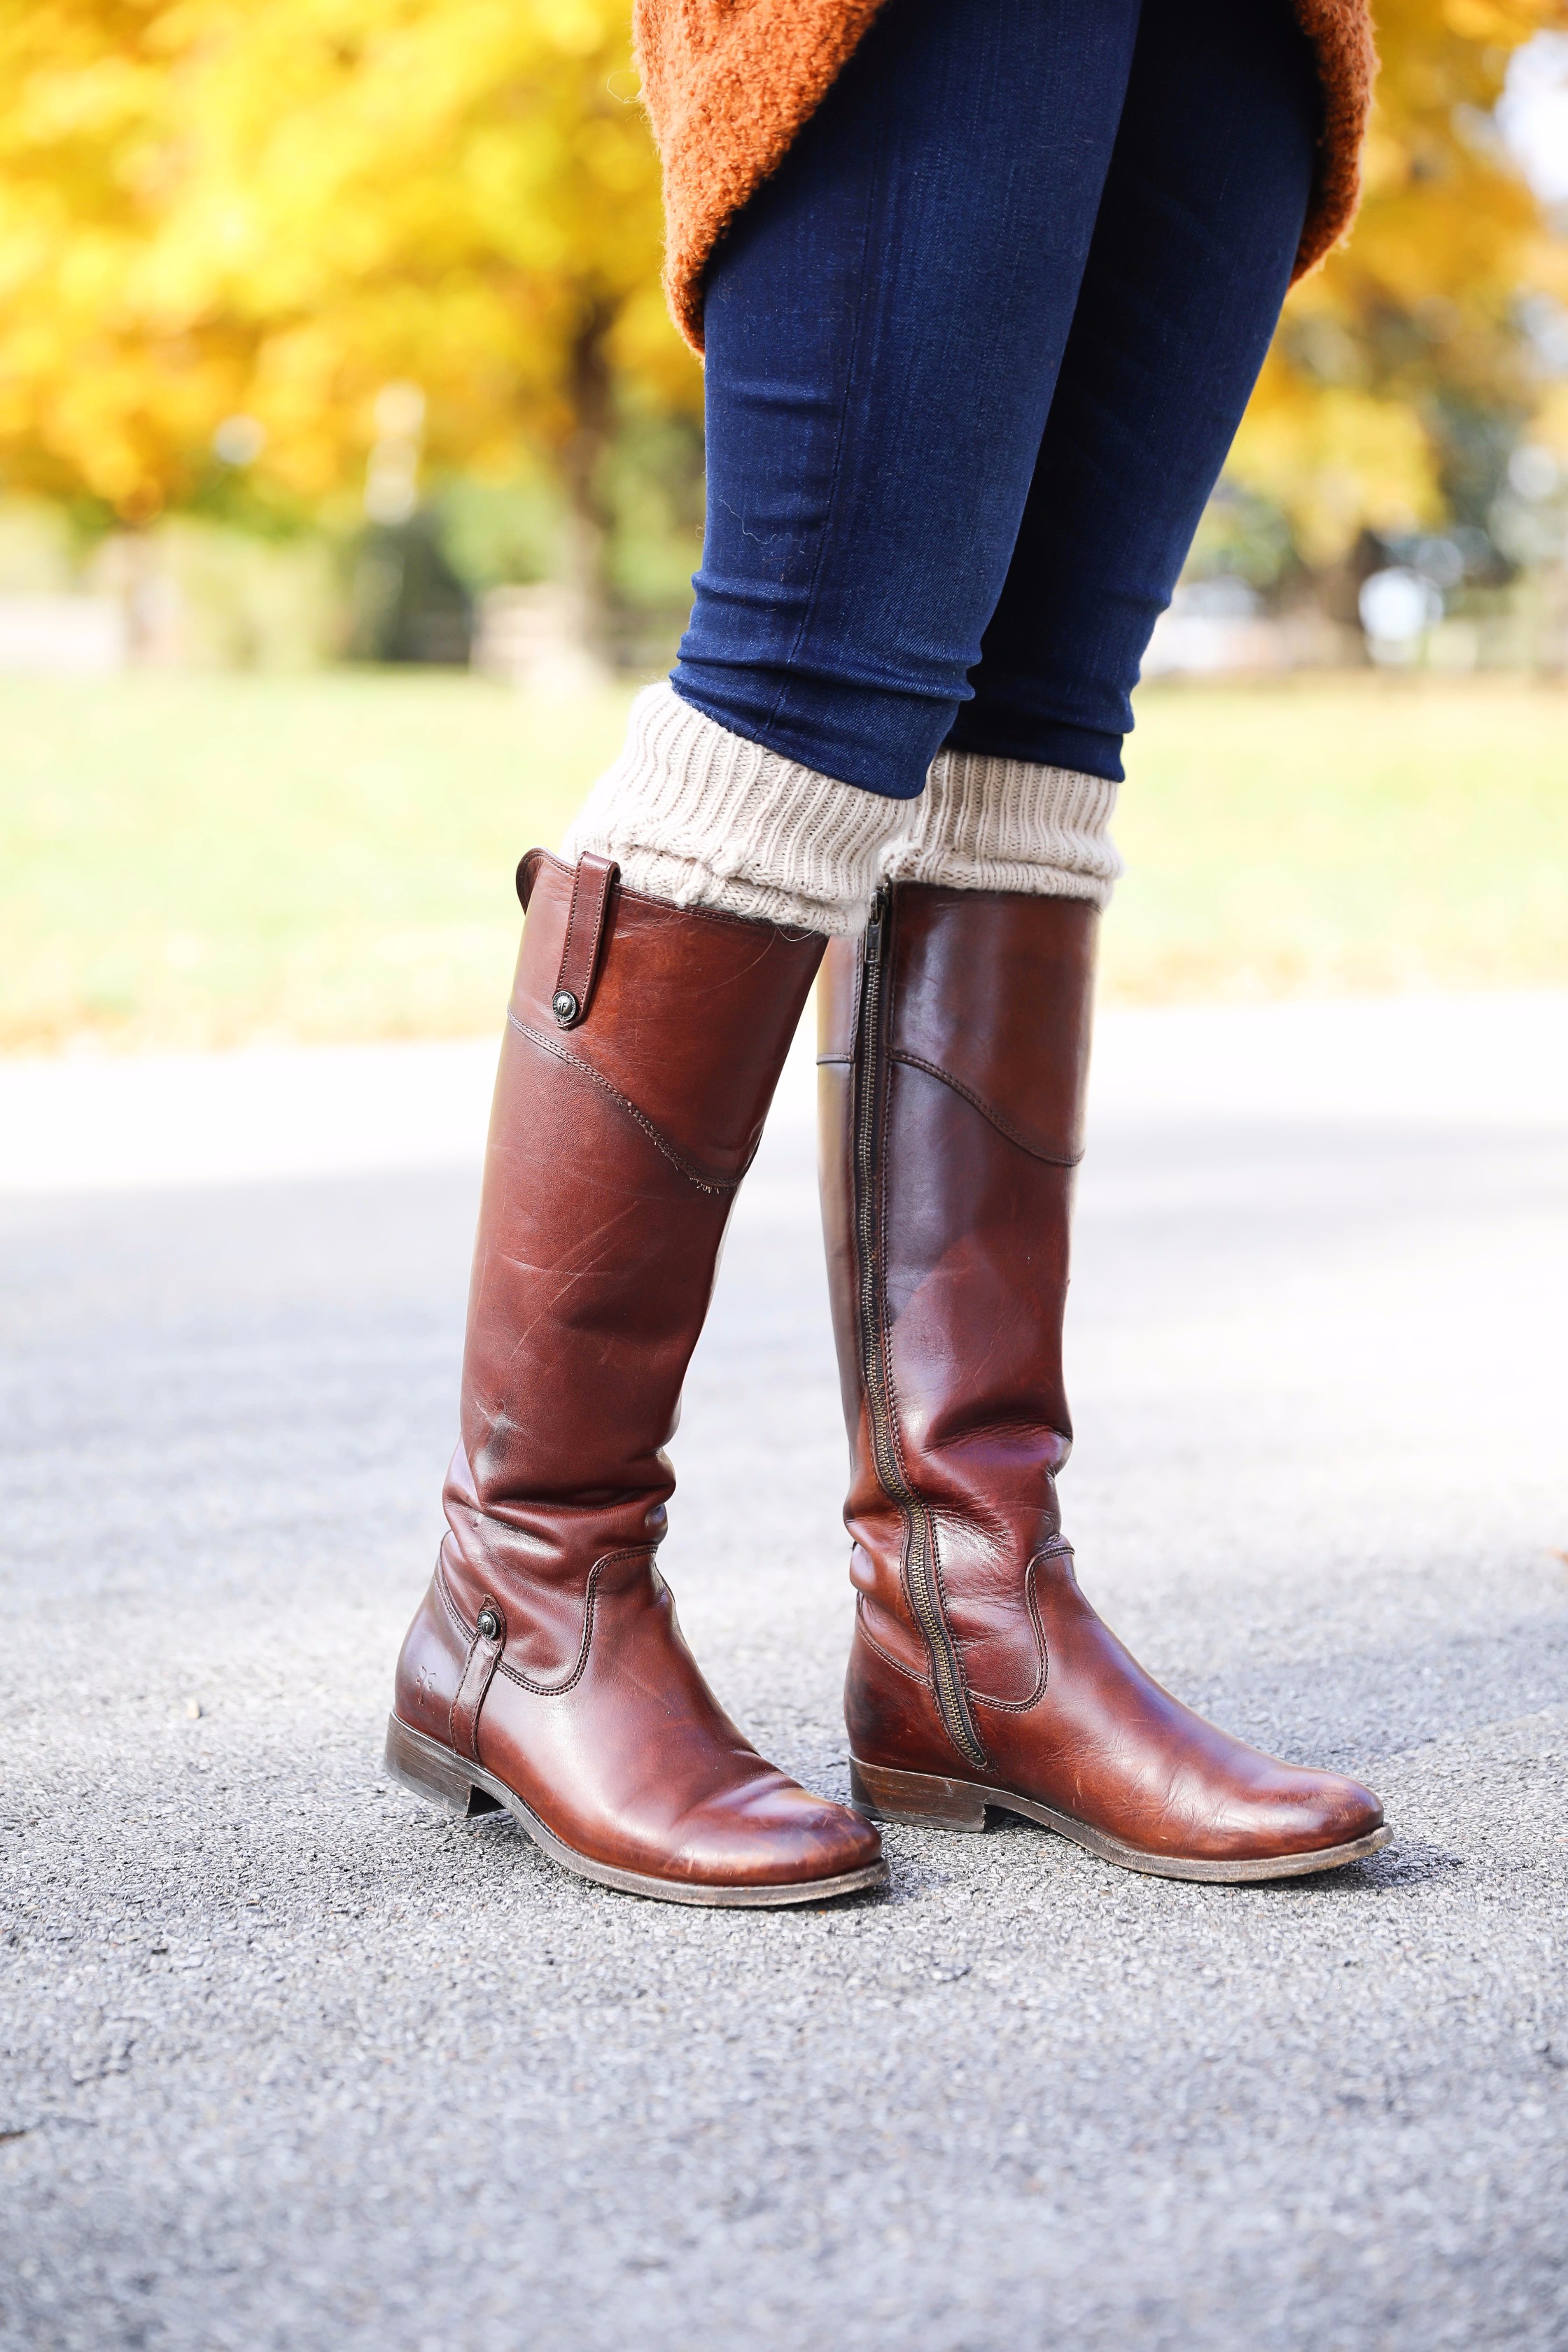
(975, 355)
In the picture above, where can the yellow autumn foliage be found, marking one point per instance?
(210, 209)
(1409, 330)
(273, 208)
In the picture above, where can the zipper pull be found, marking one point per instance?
(868, 979)
(869, 953)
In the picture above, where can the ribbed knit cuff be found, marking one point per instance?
(699, 818)
(983, 824)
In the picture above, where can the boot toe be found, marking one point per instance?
(1350, 1811)
(779, 1834)
(1318, 1813)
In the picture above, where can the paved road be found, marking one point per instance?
(293, 2063)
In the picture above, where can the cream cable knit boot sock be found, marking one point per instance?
(983, 824)
(699, 818)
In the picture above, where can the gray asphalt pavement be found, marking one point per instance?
(292, 2064)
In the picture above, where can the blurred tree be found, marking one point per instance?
(1401, 371)
(237, 235)
(226, 228)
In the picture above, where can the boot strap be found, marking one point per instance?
(592, 879)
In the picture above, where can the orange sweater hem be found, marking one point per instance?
(728, 84)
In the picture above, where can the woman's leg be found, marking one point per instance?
(857, 323)
(1191, 259)
(1189, 263)
(884, 324)
(957, 1052)
(884, 327)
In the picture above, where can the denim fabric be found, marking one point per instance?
(975, 355)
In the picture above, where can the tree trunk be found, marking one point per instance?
(590, 389)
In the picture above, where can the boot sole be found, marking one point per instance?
(923, 1801)
(447, 1781)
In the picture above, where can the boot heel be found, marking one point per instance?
(433, 1772)
(918, 1797)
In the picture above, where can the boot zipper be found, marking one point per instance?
(947, 1677)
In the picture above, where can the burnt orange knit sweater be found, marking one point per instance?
(727, 83)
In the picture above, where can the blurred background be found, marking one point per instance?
(350, 480)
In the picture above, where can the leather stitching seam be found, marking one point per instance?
(704, 1181)
(470, 1745)
(884, 1341)
(959, 1660)
(515, 1674)
(571, 926)
(998, 1120)
(894, 1432)
(922, 1682)
(1021, 1706)
(460, 1621)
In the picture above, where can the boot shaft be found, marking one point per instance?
(954, 1051)
(545, 1669)
(642, 1047)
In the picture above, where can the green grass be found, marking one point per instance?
(206, 860)
(202, 861)
(1318, 837)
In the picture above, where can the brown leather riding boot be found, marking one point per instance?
(954, 1051)
(545, 1671)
